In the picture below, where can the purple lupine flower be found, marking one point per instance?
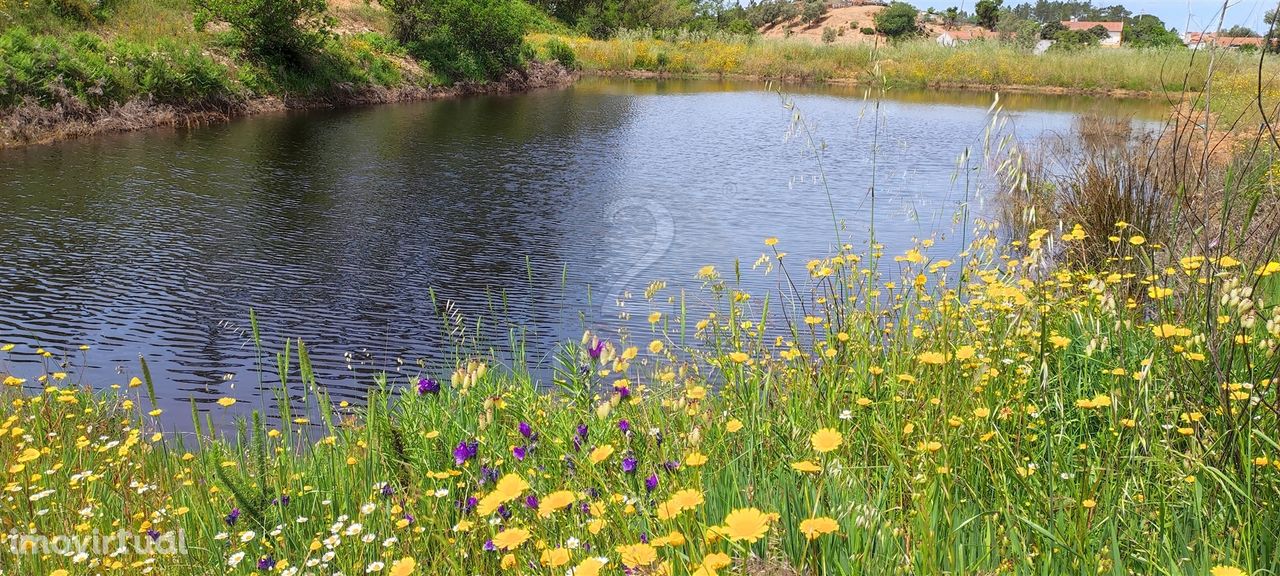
(526, 430)
(531, 501)
(465, 451)
(232, 517)
(504, 512)
(651, 483)
(488, 546)
(577, 443)
(624, 393)
(671, 465)
(266, 563)
(644, 537)
(409, 518)
(624, 426)
(387, 490)
(489, 475)
(519, 452)
(428, 386)
(153, 534)
(582, 431)
(468, 505)
(595, 350)
(629, 464)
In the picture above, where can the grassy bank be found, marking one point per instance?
(923, 63)
(915, 415)
(135, 63)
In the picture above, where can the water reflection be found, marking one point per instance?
(356, 230)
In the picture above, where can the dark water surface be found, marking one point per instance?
(352, 229)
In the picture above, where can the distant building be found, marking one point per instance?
(1194, 40)
(957, 37)
(1115, 30)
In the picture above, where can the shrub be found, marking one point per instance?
(828, 35)
(868, 31)
(898, 20)
(560, 52)
(287, 29)
(462, 39)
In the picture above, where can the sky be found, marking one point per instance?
(1202, 14)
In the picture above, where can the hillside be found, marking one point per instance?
(848, 22)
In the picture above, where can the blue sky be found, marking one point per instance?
(1203, 14)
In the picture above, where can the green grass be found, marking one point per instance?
(992, 419)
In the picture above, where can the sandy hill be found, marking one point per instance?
(848, 22)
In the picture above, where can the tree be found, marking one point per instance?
(1050, 30)
(1018, 31)
(951, 17)
(898, 20)
(1147, 31)
(813, 11)
(1239, 31)
(1074, 40)
(988, 12)
(462, 39)
(287, 29)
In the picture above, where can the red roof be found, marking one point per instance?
(1225, 41)
(1112, 27)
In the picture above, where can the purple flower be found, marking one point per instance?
(629, 465)
(526, 430)
(644, 537)
(531, 501)
(504, 512)
(469, 504)
(624, 426)
(671, 465)
(624, 393)
(582, 431)
(519, 452)
(488, 546)
(266, 563)
(651, 483)
(153, 534)
(387, 490)
(428, 386)
(232, 517)
(596, 349)
(465, 451)
(409, 518)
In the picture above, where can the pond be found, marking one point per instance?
(532, 214)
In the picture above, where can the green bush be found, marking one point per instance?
(898, 20)
(81, 66)
(463, 39)
(285, 29)
(560, 52)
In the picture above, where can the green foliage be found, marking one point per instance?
(1019, 32)
(1050, 30)
(84, 69)
(555, 49)
(286, 29)
(828, 35)
(1046, 11)
(1074, 40)
(1148, 31)
(868, 31)
(463, 39)
(813, 11)
(988, 13)
(1239, 31)
(898, 20)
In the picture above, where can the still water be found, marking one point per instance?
(531, 214)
